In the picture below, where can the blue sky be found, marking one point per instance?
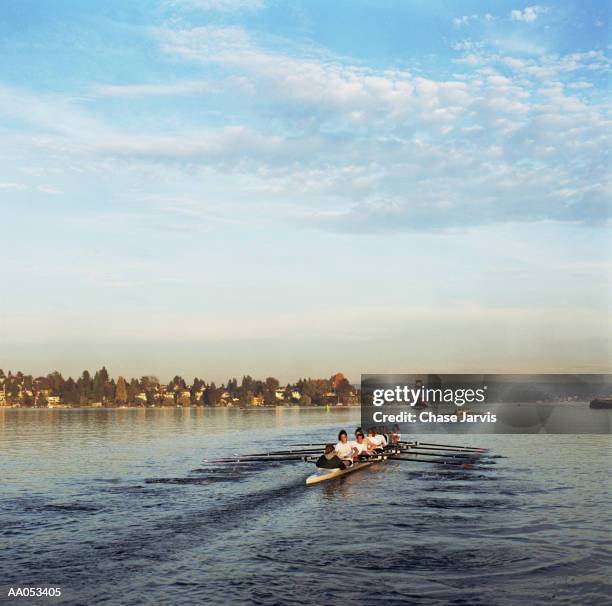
(217, 187)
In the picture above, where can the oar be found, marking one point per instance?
(444, 446)
(265, 457)
(440, 451)
(436, 462)
(420, 446)
(274, 459)
(281, 452)
(471, 457)
(272, 453)
(453, 447)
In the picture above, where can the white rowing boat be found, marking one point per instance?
(322, 475)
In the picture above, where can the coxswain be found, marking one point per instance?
(329, 459)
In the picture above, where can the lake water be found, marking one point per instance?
(117, 507)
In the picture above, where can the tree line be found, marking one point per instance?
(99, 387)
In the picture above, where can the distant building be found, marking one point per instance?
(168, 400)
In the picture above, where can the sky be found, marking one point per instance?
(220, 187)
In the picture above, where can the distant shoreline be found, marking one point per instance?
(264, 407)
(237, 408)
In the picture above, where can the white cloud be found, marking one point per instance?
(358, 148)
(319, 85)
(45, 189)
(465, 20)
(50, 113)
(155, 90)
(528, 15)
(49, 189)
(11, 185)
(580, 85)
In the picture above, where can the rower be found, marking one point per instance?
(343, 448)
(359, 446)
(329, 459)
(375, 440)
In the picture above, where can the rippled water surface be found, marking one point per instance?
(119, 507)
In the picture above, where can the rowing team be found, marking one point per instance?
(346, 451)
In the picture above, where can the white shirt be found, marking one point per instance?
(344, 451)
(360, 447)
(378, 440)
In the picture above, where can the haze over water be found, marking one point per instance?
(117, 507)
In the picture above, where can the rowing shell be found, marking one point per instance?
(329, 474)
(323, 475)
